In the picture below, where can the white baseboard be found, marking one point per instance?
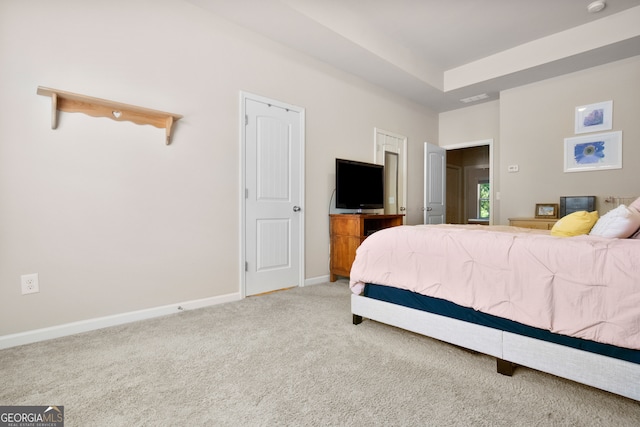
(37, 335)
(58, 331)
(316, 280)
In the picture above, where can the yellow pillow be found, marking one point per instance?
(575, 224)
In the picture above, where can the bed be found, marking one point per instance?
(566, 306)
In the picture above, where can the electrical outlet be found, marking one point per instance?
(29, 283)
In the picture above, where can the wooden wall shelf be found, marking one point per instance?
(96, 107)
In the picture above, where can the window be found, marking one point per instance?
(483, 199)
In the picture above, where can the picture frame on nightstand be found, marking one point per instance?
(547, 210)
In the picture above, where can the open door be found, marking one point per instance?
(435, 160)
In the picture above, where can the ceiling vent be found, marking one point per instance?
(474, 98)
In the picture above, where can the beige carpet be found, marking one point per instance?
(288, 358)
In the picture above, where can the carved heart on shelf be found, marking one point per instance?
(96, 107)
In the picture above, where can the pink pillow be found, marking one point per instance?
(635, 204)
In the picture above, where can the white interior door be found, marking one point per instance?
(273, 195)
(389, 142)
(435, 160)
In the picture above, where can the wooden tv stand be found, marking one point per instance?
(347, 231)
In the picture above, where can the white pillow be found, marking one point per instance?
(620, 222)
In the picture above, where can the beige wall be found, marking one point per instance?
(470, 125)
(535, 119)
(113, 220)
(529, 125)
(475, 123)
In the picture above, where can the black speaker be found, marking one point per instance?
(573, 204)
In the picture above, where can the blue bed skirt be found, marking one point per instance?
(446, 308)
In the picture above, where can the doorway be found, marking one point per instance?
(390, 150)
(272, 193)
(469, 183)
(390, 183)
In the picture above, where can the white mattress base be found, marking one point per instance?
(468, 335)
(603, 372)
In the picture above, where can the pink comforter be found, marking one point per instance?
(585, 286)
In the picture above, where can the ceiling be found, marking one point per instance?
(439, 52)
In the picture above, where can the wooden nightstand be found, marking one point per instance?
(538, 223)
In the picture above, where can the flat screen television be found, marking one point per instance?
(359, 185)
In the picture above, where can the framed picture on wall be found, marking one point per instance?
(593, 152)
(594, 117)
(546, 210)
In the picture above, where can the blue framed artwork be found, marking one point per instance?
(593, 152)
(594, 117)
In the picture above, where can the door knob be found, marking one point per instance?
(296, 208)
